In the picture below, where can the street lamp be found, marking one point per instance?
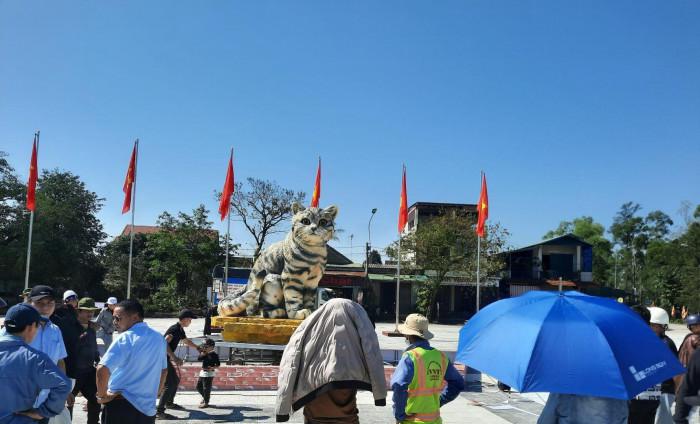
(369, 229)
(369, 241)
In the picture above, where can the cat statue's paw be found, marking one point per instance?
(301, 314)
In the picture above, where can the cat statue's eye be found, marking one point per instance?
(322, 222)
(305, 221)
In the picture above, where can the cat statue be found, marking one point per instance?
(284, 278)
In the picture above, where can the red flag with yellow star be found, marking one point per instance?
(130, 179)
(316, 196)
(482, 208)
(403, 203)
(229, 187)
(33, 177)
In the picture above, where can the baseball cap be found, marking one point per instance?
(112, 301)
(21, 315)
(41, 291)
(68, 294)
(186, 313)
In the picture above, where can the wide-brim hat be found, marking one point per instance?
(416, 325)
(87, 304)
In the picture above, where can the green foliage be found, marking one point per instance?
(167, 299)
(447, 245)
(66, 234)
(633, 234)
(115, 258)
(375, 257)
(594, 233)
(183, 254)
(673, 269)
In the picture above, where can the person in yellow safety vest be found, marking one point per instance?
(424, 378)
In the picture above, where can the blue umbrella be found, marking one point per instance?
(566, 343)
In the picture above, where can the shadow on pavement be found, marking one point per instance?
(235, 416)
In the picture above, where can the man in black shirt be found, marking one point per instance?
(173, 336)
(85, 358)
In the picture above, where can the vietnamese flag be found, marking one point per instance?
(130, 179)
(482, 208)
(317, 187)
(403, 204)
(33, 177)
(227, 192)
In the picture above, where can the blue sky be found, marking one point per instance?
(571, 108)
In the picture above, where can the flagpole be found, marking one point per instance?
(478, 263)
(224, 286)
(31, 227)
(478, 253)
(398, 285)
(131, 230)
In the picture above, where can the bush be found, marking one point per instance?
(165, 299)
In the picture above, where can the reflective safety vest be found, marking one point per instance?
(429, 368)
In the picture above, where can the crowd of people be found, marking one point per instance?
(49, 354)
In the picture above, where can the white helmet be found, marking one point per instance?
(658, 316)
(69, 293)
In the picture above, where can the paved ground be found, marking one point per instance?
(259, 407)
(480, 403)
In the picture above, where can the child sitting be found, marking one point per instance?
(210, 361)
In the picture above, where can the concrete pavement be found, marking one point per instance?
(259, 407)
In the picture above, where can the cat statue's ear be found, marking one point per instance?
(297, 207)
(331, 211)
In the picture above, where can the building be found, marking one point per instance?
(140, 229)
(565, 260)
(152, 229)
(423, 211)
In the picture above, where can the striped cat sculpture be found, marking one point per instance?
(284, 278)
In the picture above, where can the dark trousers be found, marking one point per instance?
(85, 384)
(171, 383)
(642, 411)
(120, 411)
(204, 387)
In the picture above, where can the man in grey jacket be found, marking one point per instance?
(330, 356)
(105, 326)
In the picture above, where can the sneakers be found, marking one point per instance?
(165, 416)
(174, 406)
(203, 404)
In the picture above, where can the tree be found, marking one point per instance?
(182, 255)
(657, 225)
(65, 239)
(689, 245)
(115, 259)
(633, 234)
(446, 245)
(594, 233)
(665, 263)
(375, 257)
(262, 206)
(11, 191)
